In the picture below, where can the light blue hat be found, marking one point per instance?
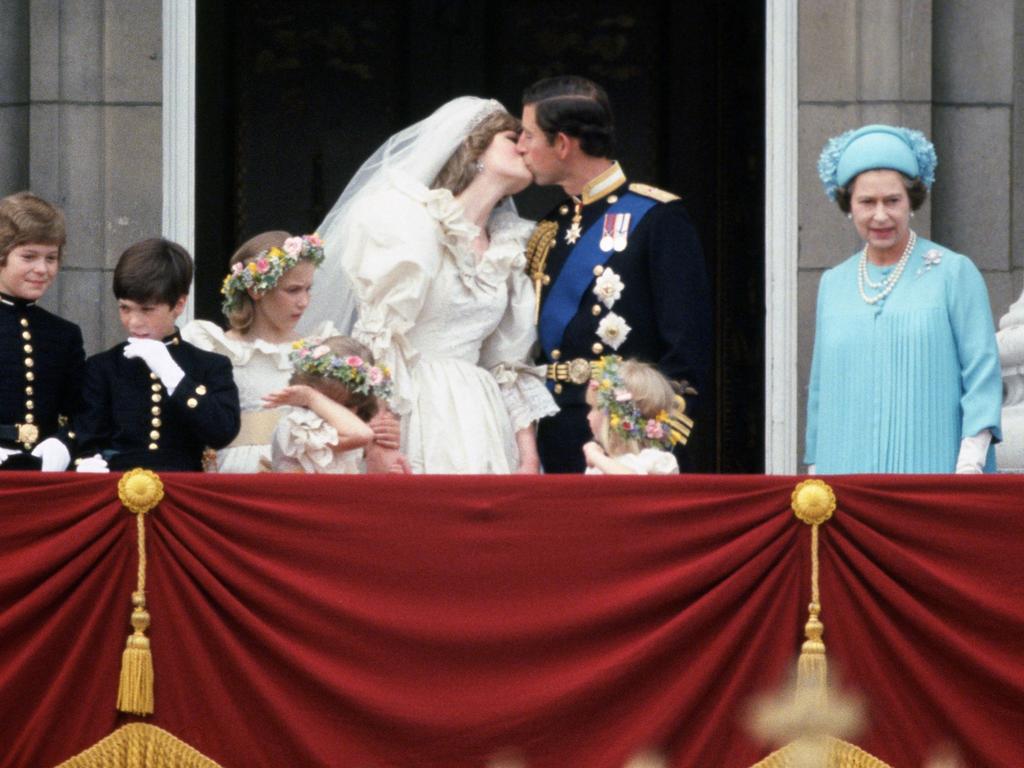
(875, 147)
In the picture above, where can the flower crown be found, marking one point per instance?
(314, 357)
(262, 273)
(622, 412)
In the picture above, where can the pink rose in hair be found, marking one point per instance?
(262, 264)
(315, 240)
(376, 376)
(654, 430)
(354, 360)
(293, 246)
(237, 268)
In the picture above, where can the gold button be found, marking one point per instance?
(24, 323)
(154, 435)
(156, 422)
(598, 348)
(71, 435)
(28, 349)
(155, 410)
(546, 279)
(596, 309)
(29, 390)
(154, 447)
(613, 199)
(155, 387)
(155, 397)
(29, 362)
(29, 376)
(29, 418)
(26, 335)
(191, 402)
(29, 405)
(598, 270)
(153, 376)
(201, 389)
(558, 389)
(563, 210)
(555, 354)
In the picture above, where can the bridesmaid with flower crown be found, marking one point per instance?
(265, 295)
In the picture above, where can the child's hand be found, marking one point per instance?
(593, 453)
(387, 431)
(299, 395)
(157, 357)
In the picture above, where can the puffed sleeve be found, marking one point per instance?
(391, 252)
(505, 353)
(303, 442)
(981, 376)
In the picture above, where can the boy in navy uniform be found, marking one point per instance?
(156, 401)
(617, 267)
(41, 355)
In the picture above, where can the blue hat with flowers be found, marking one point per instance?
(876, 147)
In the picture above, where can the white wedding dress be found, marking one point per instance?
(455, 329)
(259, 367)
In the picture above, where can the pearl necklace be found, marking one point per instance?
(889, 283)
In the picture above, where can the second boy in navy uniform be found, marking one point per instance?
(155, 401)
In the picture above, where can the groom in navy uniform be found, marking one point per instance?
(618, 267)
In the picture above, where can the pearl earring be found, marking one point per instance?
(849, 216)
(479, 166)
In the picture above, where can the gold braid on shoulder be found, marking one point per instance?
(537, 249)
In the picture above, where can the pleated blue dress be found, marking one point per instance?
(896, 385)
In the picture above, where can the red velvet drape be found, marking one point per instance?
(435, 621)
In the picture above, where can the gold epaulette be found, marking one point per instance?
(661, 195)
(538, 247)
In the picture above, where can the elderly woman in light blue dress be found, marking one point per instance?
(905, 375)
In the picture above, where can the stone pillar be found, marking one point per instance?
(861, 61)
(95, 142)
(1010, 452)
(14, 94)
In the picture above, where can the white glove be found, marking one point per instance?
(6, 453)
(973, 452)
(95, 463)
(812, 469)
(154, 354)
(54, 454)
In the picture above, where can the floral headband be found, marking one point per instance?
(314, 357)
(623, 414)
(262, 273)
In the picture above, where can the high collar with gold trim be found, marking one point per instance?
(604, 184)
(14, 301)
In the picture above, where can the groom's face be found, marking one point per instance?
(540, 156)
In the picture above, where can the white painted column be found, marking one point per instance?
(780, 240)
(179, 123)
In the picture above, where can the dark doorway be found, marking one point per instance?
(294, 96)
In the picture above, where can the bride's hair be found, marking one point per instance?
(241, 316)
(461, 167)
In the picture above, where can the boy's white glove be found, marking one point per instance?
(973, 452)
(6, 453)
(155, 354)
(54, 454)
(94, 463)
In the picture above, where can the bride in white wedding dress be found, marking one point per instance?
(428, 242)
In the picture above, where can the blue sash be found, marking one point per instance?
(563, 301)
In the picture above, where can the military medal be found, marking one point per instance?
(607, 232)
(575, 231)
(621, 232)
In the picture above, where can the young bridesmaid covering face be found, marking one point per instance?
(29, 270)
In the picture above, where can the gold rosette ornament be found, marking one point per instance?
(140, 491)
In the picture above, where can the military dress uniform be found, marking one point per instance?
(646, 237)
(131, 420)
(41, 363)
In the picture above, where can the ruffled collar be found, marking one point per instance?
(212, 337)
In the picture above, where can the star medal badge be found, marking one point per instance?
(575, 231)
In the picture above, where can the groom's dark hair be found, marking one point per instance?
(577, 107)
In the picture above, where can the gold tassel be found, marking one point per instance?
(140, 491)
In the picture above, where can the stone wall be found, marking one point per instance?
(80, 90)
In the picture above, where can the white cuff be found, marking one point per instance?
(973, 452)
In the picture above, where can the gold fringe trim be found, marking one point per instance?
(140, 491)
(140, 745)
(833, 753)
(537, 249)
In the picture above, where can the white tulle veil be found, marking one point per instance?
(416, 154)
